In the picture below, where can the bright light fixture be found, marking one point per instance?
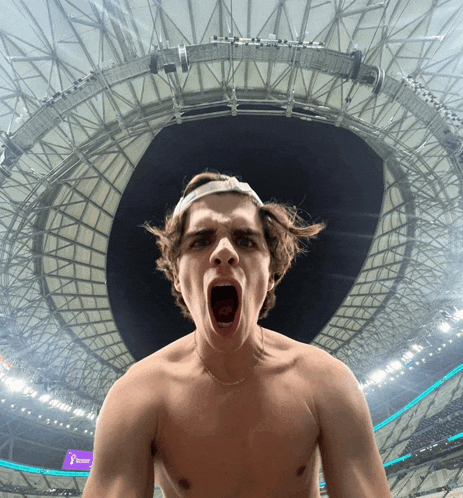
(379, 375)
(396, 365)
(445, 327)
(14, 385)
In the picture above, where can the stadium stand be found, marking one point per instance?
(20, 483)
(421, 436)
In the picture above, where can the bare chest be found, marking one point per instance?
(255, 440)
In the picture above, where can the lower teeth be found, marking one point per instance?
(224, 324)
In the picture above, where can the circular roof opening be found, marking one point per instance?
(329, 173)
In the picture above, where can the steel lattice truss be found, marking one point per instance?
(85, 87)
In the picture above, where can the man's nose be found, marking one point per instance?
(224, 253)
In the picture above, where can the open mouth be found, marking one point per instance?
(224, 305)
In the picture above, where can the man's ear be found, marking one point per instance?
(271, 282)
(176, 279)
(176, 282)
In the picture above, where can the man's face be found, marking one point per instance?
(225, 251)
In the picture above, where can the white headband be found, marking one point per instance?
(211, 188)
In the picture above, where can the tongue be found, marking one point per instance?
(224, 310)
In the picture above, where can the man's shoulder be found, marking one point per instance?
(157, 366)
(149, 367)
(317, 359)
(330, 377)
(145, 378)
(323, 370)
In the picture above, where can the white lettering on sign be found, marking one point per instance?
(79, 460)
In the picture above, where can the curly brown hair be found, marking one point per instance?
(278, 222)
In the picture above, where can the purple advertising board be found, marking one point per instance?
(78, 460)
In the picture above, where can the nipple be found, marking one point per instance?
(300, 470)
(184, 483)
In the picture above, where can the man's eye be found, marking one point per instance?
(250, 242)
(194, 243)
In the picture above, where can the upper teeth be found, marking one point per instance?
(222, 285)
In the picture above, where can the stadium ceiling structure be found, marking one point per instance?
(87, 85)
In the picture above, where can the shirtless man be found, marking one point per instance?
(232, 409)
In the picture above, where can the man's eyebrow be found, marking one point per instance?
(210, 231)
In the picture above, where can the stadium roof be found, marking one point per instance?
(86, 87)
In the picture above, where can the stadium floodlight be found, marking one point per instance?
(15, 385)
(396, 365)
(445, 327)
(378, 376)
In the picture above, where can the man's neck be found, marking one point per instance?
(234, 361)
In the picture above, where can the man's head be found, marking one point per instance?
(231, 246)
(278, 234)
